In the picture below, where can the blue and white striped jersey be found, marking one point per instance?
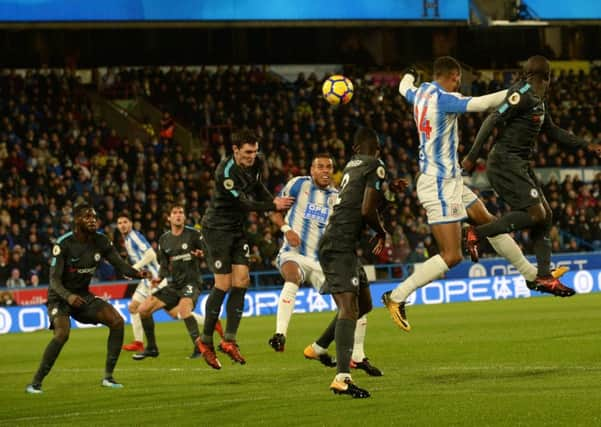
(136, 245)
(309, 214)
(435, 113)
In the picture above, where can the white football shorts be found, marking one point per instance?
(444, 199)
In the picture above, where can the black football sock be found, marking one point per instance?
(212, 309)
(515, 220)
(542, 249)
(345, 339)
(329, 334)
(113, 350)
(51, 353)
(192, 326)
(148, 325)
(234, 310)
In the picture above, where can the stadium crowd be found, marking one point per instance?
(54, 152)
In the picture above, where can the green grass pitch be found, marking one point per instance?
(507, 363)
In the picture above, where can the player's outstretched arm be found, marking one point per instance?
(562, 136)
(407, 87)
(484, 133)
(369, 211)
(148, 257)
(112, 256)
(485, 102)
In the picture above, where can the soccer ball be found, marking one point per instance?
(337, 89)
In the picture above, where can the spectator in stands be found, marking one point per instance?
(15, 280)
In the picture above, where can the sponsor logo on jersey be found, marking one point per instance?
(317, 212)
(183, 257)
(89, 270)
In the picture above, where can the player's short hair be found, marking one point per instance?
(539, 66)
(80, 208)
(176, 206)
(365, 140)
(445, 65)
(322, 155)
(245, 136)
(124, 214)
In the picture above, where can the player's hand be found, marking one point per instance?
(75, 300)
(413, 71)
(379, 246)
(399, 185)
(467, 165)
(198, 253)
(283, 203)
(144, 274)
(595, 148)
(293, 238)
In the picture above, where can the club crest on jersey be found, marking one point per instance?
(454, 209)
(355, 281)
(534, 193)
(185, 246)
(218, 264)
(514, 98)
(54, 311)
(228, 184)
(381, 172)
(56, 250)
(96, 257)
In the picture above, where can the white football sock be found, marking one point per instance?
(433, 268)
(319, 349)
(360, 329)
(286, 304)
(136, 325)
(505, 246)
(199, 318)
(342, 376)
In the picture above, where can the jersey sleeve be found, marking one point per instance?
(519, 98)
(57, 266)
(560, 135)
(407, 88)
(140, 241)
(452, 102)
(232, 184)
(292, 187)
(375, 175)
(163, 260)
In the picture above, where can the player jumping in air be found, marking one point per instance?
(520, 118)
(440, 187)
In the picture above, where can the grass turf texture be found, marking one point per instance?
(515, 362)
